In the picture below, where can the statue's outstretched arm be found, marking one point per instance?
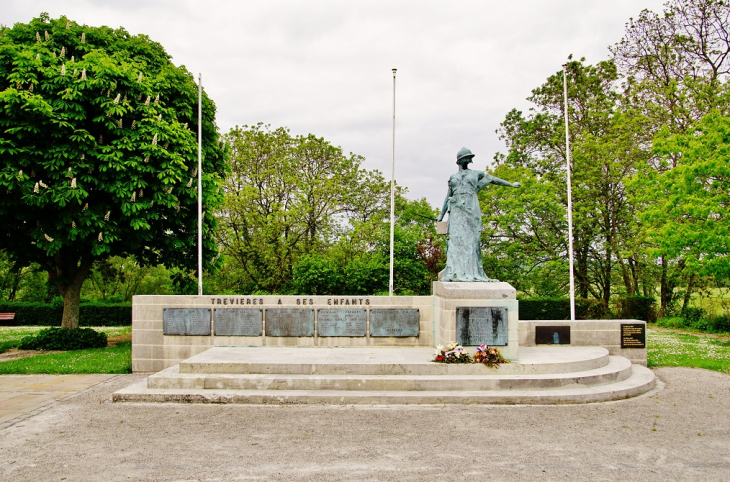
(489, 179)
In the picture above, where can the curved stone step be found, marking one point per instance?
(617, 369)
(384, 361)
(640, 381)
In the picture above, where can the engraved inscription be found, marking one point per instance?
(289, 322)
(186, 321)
(477, 325)
(239, 322)
(633, 335)
(341, 322)
(394, 322)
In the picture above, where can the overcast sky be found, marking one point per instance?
(324, 67)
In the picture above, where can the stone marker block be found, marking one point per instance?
(239, 322)
(341, 322)
(395, 322)
(476, 325)
(289, 322)
(186, 321)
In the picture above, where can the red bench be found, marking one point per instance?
(7, 316)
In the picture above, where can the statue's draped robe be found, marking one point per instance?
(463, 252)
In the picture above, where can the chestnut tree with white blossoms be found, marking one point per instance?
(98, 153)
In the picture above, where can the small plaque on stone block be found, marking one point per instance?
(477, 324)
(341, 322)
(239, 322)
(186, 321)
(394, 322)
(289, 322)
(633, 335)
(552, 335)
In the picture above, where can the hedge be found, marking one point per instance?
(632, 307)
(47, 314)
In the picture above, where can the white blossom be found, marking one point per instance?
(48, 238)
(83, 156)
(141, 193)
(152, 203)
(73, 183)
(43, 185)
(20, 175)
(116, 99)
(195, 171)
(159, 118)
(100, 237)
(63, 52)
(167, 144)
(37, 37)
(35, 188)
(72, 58)
(154, 140)
(48, 37)
(73, 224)
(134, 196)
(68, 25)
(37, 56)
(30, 89)
(139, 77)
(147, 158)
(63, 69)
(86, 206)
(139, 97)
(147, 101)
(120, 123)
(83, 37)
(134, 124)
(190, 182)
(68, 173)
(157, 98)
(106, 216)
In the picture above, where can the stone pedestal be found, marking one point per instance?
(476, 308)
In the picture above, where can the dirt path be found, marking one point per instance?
(681, 432)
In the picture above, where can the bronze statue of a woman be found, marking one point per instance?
(463, 251)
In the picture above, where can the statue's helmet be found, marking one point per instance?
(463, 152)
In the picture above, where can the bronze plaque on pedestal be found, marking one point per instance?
(477, 324)
(289, 322)
(186, 321)
(239, 322)
(633, 335)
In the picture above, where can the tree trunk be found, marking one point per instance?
(69, 284)
(665, 295)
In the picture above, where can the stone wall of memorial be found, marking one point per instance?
(626, 338)
(169, 329)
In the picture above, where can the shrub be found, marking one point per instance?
(672, 322)
(692, 314)
(63, 339)
(636, 307)
(559, 309)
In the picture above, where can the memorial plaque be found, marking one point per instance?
(477, 324)
(552, 335)
(341, 322)
(239, 322)
(394, 322)
(289, 322)
(633, 335)
(186, 321)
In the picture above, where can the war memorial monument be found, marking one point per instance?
(377, 349)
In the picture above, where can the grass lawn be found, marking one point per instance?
(672, 348)
(113, 359)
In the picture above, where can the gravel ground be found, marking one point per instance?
(679, 432)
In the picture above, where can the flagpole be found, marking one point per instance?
(570, 197)
(200, 184)
(392, 197)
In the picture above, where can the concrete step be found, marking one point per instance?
(383, 361)
(617, 369)
(640, 381)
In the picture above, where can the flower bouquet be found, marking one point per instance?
(489, 355)
(451, 353)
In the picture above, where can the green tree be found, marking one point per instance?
(98, 145)
(289, 197)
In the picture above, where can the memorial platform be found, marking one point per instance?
(390, 375)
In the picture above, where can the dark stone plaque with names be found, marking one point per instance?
(239, 322)
(552, 335)
(186, 321)
(289, 322)
(633, 335)
(394, 322)
(477, 324)
(341, 322)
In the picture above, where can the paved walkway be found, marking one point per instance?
(22, 396)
